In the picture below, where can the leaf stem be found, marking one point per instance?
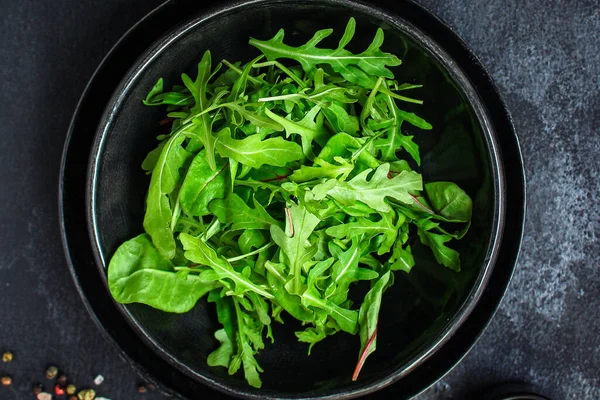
(265, 247)
(239, 71)
(284, 69)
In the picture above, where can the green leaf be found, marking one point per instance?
(277, 278)
(233, 210)
(340, 120)
(199, 252)
(368, 319)
(300, 224)
(198, 89)
(252, 239)
(402, 258)
(322, 170)
(368, 229)
(449, 201)
(254, 152)
(201, 185)
(442, 253)
(165, 178)
(347, 271)
(138, 273)
(374, 191)
(308, 128)
(359, 69)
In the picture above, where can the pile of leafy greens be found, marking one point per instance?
(279, 188)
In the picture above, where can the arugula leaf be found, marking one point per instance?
(442, 253)
(358, 69)
(374, 191)
(254, 152)
(198, 89)
(294, 249)
(199, 252)
(308, 128)
(233, 210)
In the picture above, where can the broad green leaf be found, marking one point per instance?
(233, 210)
(138, 273)
(374, 191)
(165, 178)
(202, 184)
(449, 201)
(254, 152)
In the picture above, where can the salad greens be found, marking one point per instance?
(278, 189)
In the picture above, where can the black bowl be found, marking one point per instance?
(423, 310)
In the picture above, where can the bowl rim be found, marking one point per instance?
(488, 270)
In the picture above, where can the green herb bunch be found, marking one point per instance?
(278, 188)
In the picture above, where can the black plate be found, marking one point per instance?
(88, 278)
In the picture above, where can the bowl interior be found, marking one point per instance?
(419, 310)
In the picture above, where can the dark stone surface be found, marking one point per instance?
(545, 59)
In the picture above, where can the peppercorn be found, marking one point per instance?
(71, 389)
(142, 389)
(62, 380)
(51, 372)
(6, 380)
(7, 357)
(58, 390)
(87, 394)
(37, 388)
(151, 387)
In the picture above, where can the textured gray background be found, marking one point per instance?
(544, 55)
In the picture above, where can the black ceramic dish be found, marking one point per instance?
(435, 338)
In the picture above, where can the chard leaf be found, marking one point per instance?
(450, 201)
(368, 318)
